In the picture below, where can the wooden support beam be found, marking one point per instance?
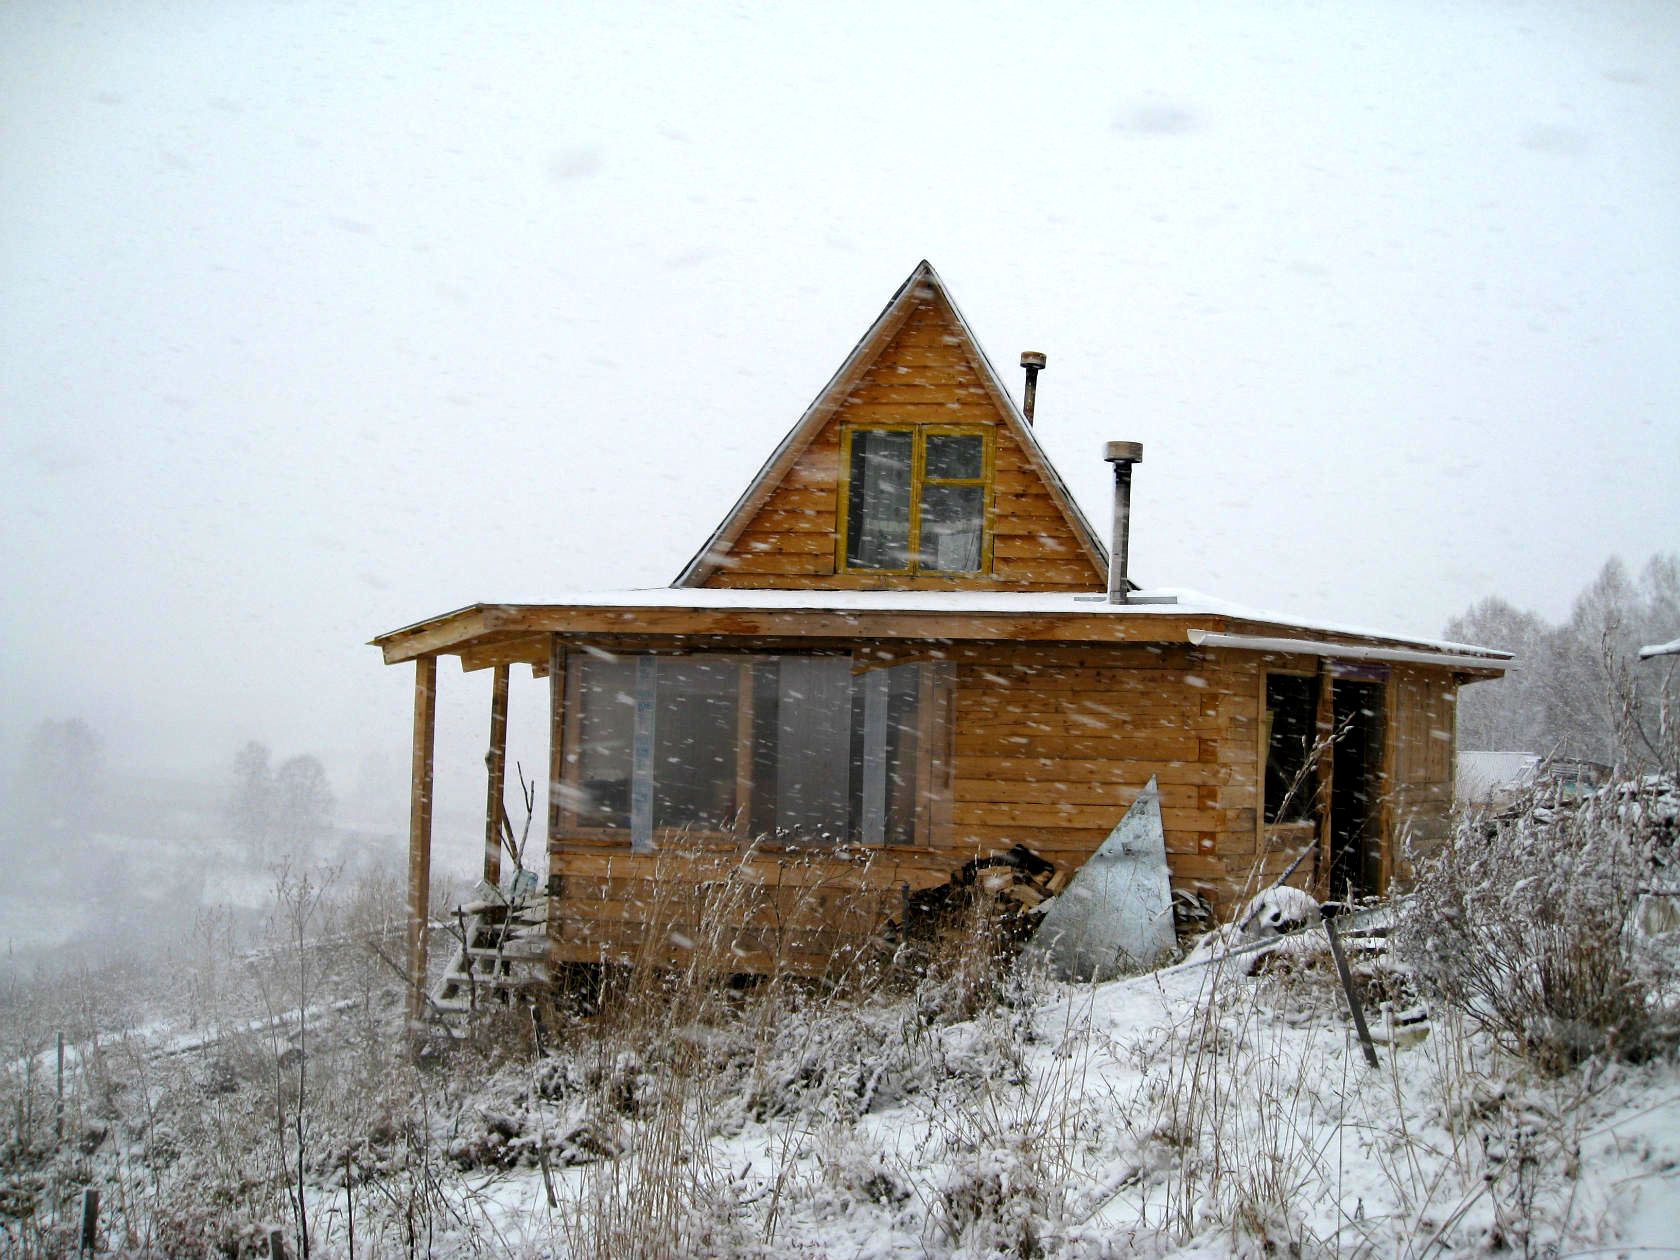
(420, 828)
(1323, 735)
(556, 734)
(495, 763)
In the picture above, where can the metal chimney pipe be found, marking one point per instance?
(1122, 455)
(1033, 361)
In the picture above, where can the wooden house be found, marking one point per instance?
(903, 642)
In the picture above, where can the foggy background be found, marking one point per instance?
(317, 321)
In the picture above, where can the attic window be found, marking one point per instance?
(913, 499)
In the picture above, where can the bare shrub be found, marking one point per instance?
(1527, 923)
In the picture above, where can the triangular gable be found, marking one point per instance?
(774, 535)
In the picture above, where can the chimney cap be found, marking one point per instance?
(1123, 452)
(1033, 359)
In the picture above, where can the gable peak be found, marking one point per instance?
(838, 406)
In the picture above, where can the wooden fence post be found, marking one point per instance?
(90, 1220)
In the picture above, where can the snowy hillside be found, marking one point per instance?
(949, 1107)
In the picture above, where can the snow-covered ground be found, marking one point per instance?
(1211, 1108)
(1197, 1113)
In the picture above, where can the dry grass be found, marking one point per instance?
(1528, 923)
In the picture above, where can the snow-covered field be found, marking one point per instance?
(1201, 1110)
(1195, 1114)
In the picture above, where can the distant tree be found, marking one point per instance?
(303, 805)
(250, 806)
(1508, 714)
(1599, 632)
(1659, 588)
(1573, 687)
(62, 777)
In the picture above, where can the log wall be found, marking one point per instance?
(1423, 742)
(1047, 746)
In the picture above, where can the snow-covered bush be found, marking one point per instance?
(1529, 922)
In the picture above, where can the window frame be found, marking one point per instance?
(919, 435)
(932, 758)
(1308, 802)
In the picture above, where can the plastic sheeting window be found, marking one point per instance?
(775, 747)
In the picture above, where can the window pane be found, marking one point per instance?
(1292, 716)
(884, 735)
(878, 502)
(955, 457)
(813, 747)
(951, 526)
(606, 700)
(766, 764)
(903, 732)
(694, 744)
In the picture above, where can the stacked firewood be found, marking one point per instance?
(999, 895)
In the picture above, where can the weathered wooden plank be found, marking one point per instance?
(822, 498)
(775, 520)
(1036, 545)
(1159, 747)
(876, 391)
(496, 775)
(800, 542)
(981, 793)
(871, 412)
(781, 561)
(1070, 814)
(1033, 504)
(1077, 725)
(977, 775)
(420, 828)
(514, 649)
(929, 371)
(1073, 574)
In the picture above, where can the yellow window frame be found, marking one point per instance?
(920, 433)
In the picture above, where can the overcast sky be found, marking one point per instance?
(318, 319)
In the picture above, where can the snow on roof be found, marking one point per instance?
(1157, 602)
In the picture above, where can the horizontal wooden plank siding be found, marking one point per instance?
(1054, 743)
(1423, 733)
(803, 911)
(1049, 744)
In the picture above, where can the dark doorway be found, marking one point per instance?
(1356, 789)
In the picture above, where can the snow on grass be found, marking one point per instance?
(1208, 1110)
(1197, 1113)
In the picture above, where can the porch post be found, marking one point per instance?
(420, 828)
(556, 738)
(495, 762)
